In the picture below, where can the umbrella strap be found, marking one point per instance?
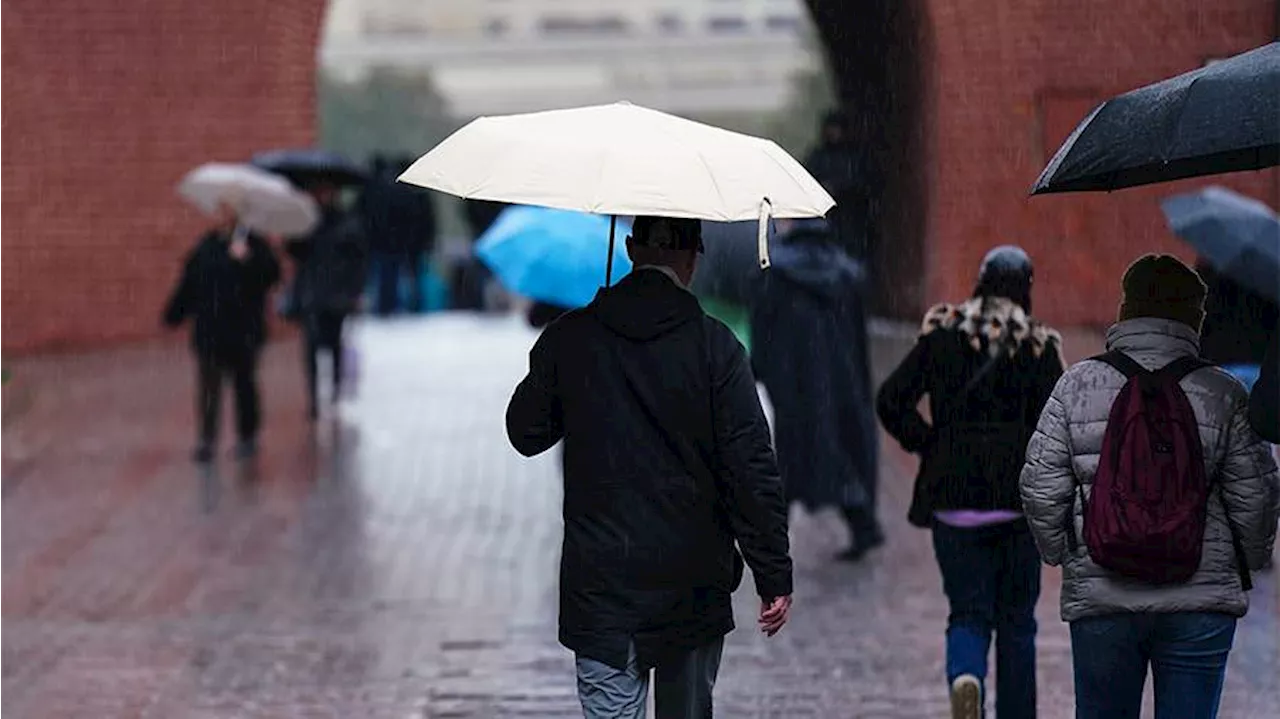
(608, 268)
(762, 232)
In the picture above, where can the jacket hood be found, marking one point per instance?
(646, 304)
(1152, 341)
(807, 259)
(992, 323)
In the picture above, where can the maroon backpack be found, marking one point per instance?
(1145, 517)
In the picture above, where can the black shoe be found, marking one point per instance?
(247, 449)
(203, 453)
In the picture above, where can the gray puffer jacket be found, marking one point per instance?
(1064, 452)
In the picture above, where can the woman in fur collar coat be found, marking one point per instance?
(988, 368)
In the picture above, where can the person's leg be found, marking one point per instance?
(1109, 661)
(388, 277)
(968, 579)
(208, 404)
(1017, 590)
(864, 531)
(1189, 663)
(311, 348)
(610, 693)
(683, 687)
(413, 268)
(333, 339)
(245, 376)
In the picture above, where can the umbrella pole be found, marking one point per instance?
(608, 271)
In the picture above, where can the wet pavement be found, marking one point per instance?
(398, 559)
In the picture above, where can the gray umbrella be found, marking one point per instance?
(1224, 117)
(730, 266)
(1238, 235)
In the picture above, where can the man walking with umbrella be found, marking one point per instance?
(667, 465)
(331, 269)
(224, 288)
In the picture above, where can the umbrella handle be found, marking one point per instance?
(608, 268)
(762, 232)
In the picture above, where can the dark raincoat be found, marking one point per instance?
(667, 465)
(332, 266)
(225, 297)
(810, 349)
(1264, 401)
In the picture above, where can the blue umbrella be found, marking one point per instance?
(555, 256)
(1238, 236)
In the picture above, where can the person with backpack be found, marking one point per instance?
(1146, 483)
(988, 369)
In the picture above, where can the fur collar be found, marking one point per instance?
(992, 324)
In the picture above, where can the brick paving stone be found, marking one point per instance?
(399, 560)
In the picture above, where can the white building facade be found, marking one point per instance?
(502, 56)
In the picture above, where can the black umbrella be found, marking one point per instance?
(311, 165)
(1239, 236)
(730, 265)
(1224, 117)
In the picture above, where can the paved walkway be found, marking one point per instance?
(399, 561)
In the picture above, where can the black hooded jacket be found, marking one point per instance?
(667, 463)
(225, 297)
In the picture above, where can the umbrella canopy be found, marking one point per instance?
(262, 201)
(621, 159)
(1224, 117)
(550, 255)
(1238, 235)
(305, 166)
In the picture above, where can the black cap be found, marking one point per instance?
(1006, 261)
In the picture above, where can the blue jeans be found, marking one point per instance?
(991, 576)
(1187, 652)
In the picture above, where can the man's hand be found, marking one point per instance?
(774, 614)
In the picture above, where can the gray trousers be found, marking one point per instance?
(682, 691)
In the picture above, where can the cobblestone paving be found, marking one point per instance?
(399, 560)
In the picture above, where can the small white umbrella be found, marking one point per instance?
(622, 159)
(262, 201)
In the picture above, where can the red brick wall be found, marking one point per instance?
(106, 106)
(1009, 80)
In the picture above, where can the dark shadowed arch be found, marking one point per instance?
(877, 51)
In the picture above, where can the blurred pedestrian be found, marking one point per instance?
(845, 166)
(1156, 536)
(1238, 324)
(332, 264)
(401, 226)
(988, 367)
(810, 350)
(668, 463)
(471, 279)
(223, 289)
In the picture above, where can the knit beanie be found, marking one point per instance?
(1161, 286)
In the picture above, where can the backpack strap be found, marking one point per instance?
(1123, 363)
(1183, 366)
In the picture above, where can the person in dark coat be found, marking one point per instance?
(332, 264)
(223, 289)
(988, 369)
(811, 353)
(668, 464)
(401, 226)
(1263, 400)
(541, 314)
(843, 164)
(471, 276)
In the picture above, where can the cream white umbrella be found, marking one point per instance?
(262, 201)
(622, 159)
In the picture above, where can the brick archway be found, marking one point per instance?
(106, 105)
(987, 90)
